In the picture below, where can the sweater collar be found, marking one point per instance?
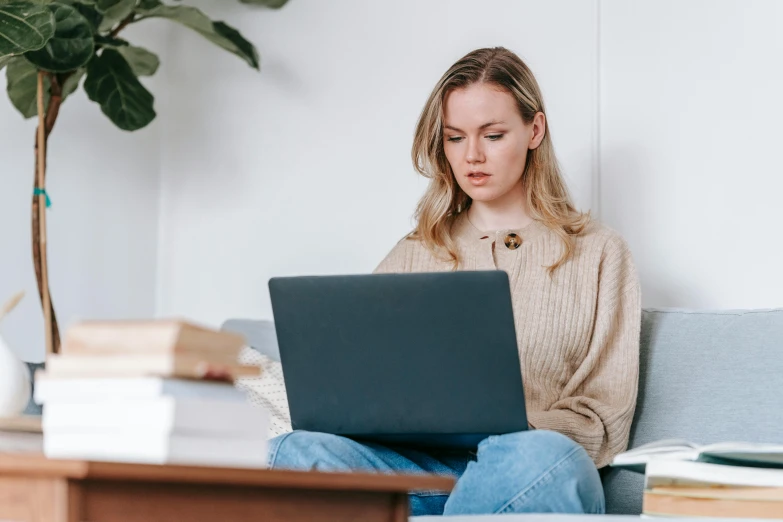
(464, 230)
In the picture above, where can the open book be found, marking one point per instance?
(747, 454)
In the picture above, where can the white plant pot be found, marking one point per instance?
(15, 386)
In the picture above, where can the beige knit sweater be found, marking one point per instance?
(577, 333)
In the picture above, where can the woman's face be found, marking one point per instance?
(486, 141)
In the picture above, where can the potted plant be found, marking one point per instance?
(47, 48)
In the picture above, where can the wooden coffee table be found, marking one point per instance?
(36, 489)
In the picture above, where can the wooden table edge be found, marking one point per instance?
(38, 465)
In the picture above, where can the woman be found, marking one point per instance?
(497, 200)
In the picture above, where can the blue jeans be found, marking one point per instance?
(533, 471)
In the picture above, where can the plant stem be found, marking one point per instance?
(41, 172)
(40, 258)
(55, 99)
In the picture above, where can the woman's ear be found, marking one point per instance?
(539, 130)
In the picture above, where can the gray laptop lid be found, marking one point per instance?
(427, 358)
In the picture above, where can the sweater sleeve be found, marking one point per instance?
(597, 404)
(398, 260)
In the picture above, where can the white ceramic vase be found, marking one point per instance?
(15, 386)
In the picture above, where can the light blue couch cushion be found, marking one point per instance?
(704, 376)
(259, 335)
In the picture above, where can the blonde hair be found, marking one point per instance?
(547, 194)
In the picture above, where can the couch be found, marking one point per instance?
(705, 376)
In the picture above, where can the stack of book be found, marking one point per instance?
(724, 480)
(21, 434)
(155, 392)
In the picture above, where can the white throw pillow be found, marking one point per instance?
(267, 391)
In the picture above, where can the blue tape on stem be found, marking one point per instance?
(39, 191)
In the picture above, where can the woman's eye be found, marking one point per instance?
(455, 139)
(494, 137)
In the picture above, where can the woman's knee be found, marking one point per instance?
(562, 476)
(533, 471)
(305, 450)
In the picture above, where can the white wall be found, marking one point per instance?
(304, 168)
(102, 227)
(664, 113)
(691, 171)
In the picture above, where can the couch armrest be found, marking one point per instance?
(259, 335)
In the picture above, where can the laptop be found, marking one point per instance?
(424, 359)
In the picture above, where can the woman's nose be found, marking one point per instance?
(475, 153)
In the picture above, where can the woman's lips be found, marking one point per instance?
(478, 178)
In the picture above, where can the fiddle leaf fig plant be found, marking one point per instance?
(48, 48)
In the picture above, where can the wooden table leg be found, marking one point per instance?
(117, 501)
(39, 500)
(68, 501)
(401, 507)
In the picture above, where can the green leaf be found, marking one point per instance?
(274, 4)
(111, 83)
(90, 13)
(245, 49)
(22, 87)
(72, 82)
(218, 33)
(72, 45)
(24, 27)
(142, 61)
(105, 6)
(114, 11)
(4, 61)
